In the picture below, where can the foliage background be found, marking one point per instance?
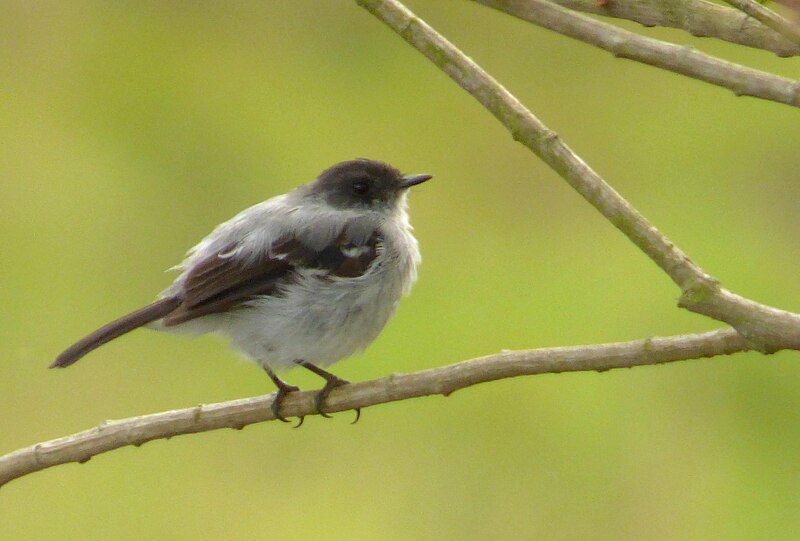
(128, 130)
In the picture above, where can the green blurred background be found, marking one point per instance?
(129, 129)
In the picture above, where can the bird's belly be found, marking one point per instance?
(319, 322)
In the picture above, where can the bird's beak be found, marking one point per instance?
(413, 180)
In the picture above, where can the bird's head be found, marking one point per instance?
(363, 184)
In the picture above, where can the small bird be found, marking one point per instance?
(306, 278)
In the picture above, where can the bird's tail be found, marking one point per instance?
(115, 329)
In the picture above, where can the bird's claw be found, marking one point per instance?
(278, 401)
(330, 384)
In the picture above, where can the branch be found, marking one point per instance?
(768, 18)
(237, 414)
(741, 80)
(765, 328)
(698, 17)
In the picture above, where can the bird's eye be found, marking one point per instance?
(361, 186)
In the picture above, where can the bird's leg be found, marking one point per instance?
(283, 389)
(331, 382)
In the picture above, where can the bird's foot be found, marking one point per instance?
(283, 390)
(332, 381)
(278, 401)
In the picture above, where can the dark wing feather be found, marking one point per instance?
(346, 259)
(220, 283)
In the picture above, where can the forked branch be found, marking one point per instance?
(740, 80)
(697, 17)
(769, 18)
(765, 328)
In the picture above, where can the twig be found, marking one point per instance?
(769, 18)
(111, 435)
(688, 61)
(765, 328)
(698, 17)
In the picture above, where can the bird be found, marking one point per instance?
(305, 279)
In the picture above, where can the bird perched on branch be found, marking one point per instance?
(306, 278)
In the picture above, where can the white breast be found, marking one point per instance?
(321, 319)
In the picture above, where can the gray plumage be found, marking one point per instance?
(311, 275)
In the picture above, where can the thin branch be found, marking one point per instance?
(698, 17)
(685, 60)
(765, 328)
(769, 18)
(237, 414)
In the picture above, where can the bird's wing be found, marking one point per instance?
(226, 279)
